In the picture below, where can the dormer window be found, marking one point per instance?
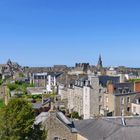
(124, 91)
(120, 90)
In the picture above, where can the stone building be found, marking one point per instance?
(104, 128)
(135, 105)
(57, 125)
(62, 91)
(39, 79)
(47, 80)
(118, 99)
(10, 69)
(83, 96)
(123, 103)
(86, 95)
(80, 68)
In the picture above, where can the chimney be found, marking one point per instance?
(136, 86)
(52, 107)
(110, 88)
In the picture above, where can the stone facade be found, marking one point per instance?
(123, 104)
(135, 105)
(58, 127)
(88, 94)
(95, 93)
(135, 108)
(109, 103)
(78, 100)
(118, 98)
(80, 68)
(62, 91)
(83, 97)
(71, 99)
(47, 80)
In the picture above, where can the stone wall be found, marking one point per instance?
(78, 100)
(94, 99)
(123, 107)
(55, 128)
(109, 102)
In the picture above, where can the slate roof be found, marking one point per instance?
(67, 79)
(41, 118)
(126, 133)
(105, 79)
(38, 105)
(109, 129)
(124, 86)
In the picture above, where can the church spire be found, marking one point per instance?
(99, 64)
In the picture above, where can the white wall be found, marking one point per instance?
(136, 110)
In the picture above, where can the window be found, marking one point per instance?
(138, 101)
(127, 89)
(128, 99)
(100, 107)
(107, 108)
(128, 109)
(120, 90)
(122, 100)
(56, 138)
(100, 98)
(107, 99)
(124, 91)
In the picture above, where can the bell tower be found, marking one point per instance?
(99, 64)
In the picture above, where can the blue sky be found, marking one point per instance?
(47, 32)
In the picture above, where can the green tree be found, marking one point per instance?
(75, 115)
(12, 86)
(16, 122)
